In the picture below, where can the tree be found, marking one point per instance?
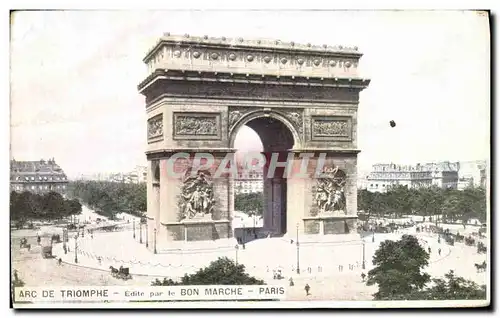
(398, 266)
(454, 287)
(450, 288)
(220, 272)
(249, 202)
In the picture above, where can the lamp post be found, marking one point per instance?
(76, 246)
(298, 257)
(253, 217)
(236, 248)
(147, 237)
(244, 233)
(133, 226)
(363, 264)
(154, 240)
(140, 231)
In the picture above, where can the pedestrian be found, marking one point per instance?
(429, 249)
(439, 252)
(291, 281)
(59, 261)
(307, 288)
(363, 276)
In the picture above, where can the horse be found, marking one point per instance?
(114, 271)
(480, 267)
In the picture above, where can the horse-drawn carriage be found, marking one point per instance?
(449, 239)
(121, 273)
(47, 251)
(56, 238)
(481, 247)
(24, 243)
(470, 241)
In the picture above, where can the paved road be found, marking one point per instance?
(37, 271)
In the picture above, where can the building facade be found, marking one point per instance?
(465, 182)
(138, 175)
(384, 176)
(37, 176)
(474, 169)
(249, 182)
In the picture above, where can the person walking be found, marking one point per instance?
(439, 252)
(307, 288)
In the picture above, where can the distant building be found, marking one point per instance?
(248, 181)
(473, 169)
(384, 176)
(465, 182)
(37, 176)
(138, 175)
(482, 173)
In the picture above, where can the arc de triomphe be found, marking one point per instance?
(300, 99)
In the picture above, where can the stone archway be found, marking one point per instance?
(278, 137)
(302, 98)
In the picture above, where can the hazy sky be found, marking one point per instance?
(74, 79)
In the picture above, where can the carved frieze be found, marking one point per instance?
(235, 114)
(274, 56)
(296, 118)
(197, 126)
(155, 128)
(328, 194)
(331, 128)
(197, 196)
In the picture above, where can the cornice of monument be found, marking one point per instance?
(253, 56)
(248, 78)
(252, 45)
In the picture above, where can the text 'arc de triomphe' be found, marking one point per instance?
(300, 99)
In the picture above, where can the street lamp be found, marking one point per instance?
(236, 248)
(244, 234)
(253, 217)
(147, 237)
(140, 231)
(363, 264)
(297, 240)
(76, 246)
(133, 226)
(154, 240)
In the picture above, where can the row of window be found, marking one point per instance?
(42, 178)
(39, 187)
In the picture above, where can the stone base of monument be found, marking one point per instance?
(330, 223)
(199, 228)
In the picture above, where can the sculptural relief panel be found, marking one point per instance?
(197, 126)
(196, 200)
(329, 192)
(331, 128)
(155, 128)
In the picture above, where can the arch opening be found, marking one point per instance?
(270, 136)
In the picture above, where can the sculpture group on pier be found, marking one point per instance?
(197, 196)
(329, 194)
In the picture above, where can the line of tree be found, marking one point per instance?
(26, 206)
(109, 198)
(399, 275)
(454, 205)
(249, 203)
